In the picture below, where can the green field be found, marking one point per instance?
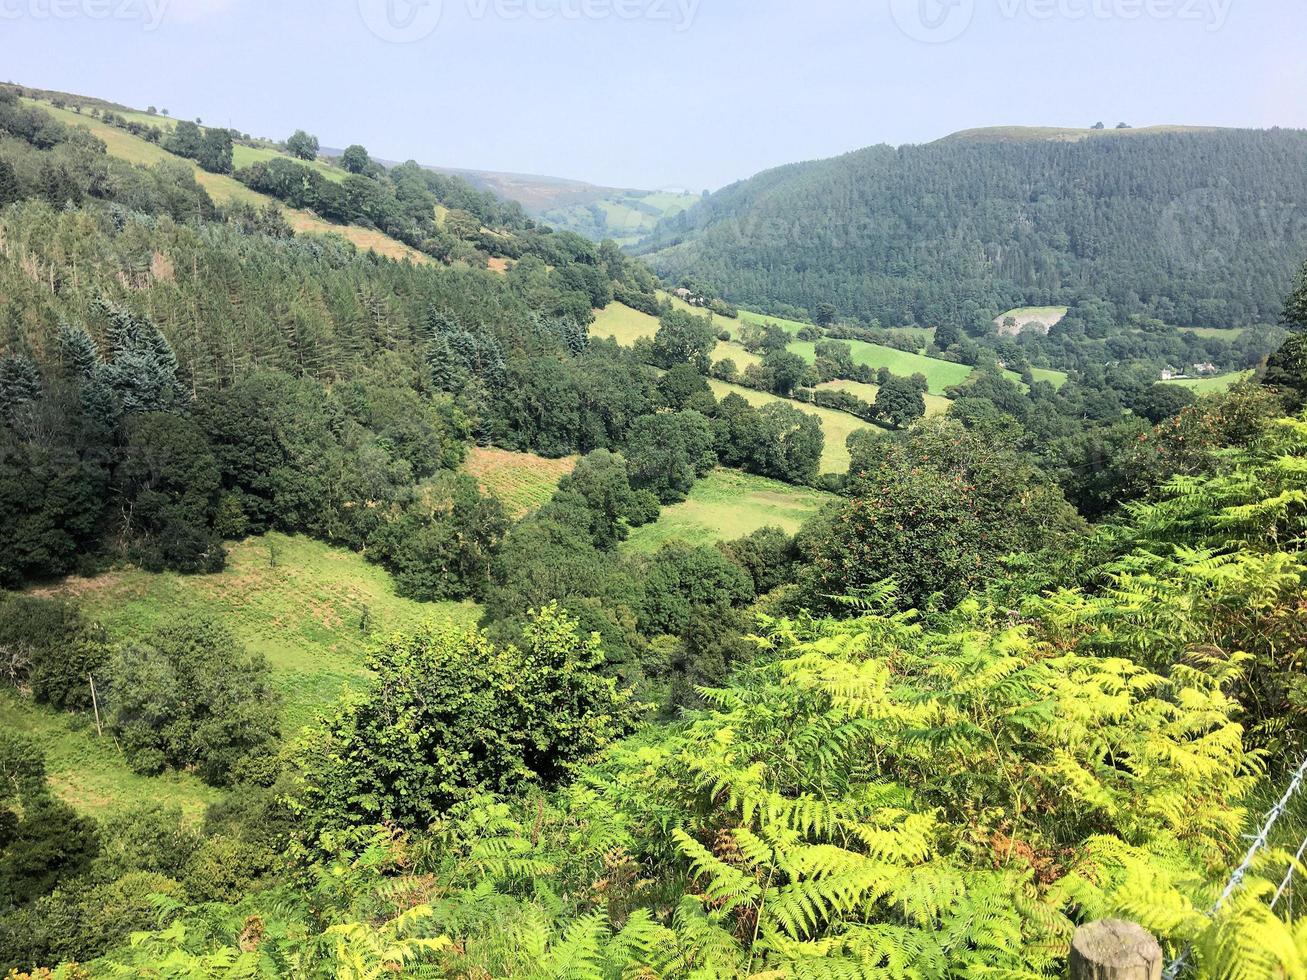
(1207, 386)
(935, 404)
(837, 426)
(940, 374)
(89, 771)
(627, 326)
(523, 481)
(1056, 378)
(298, 602)
(244, 156)
(727, 505)
(1220, 333)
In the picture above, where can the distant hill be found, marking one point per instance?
(1062, 134)
(1196, 227)
(595, 212)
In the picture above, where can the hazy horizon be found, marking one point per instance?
(665, 93)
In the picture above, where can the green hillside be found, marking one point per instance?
(224, 188)
(309, 608)
(956, 231)
(727, 505)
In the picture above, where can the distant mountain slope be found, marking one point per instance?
(1201, 228)
(595, 212)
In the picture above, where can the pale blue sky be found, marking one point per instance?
(685, 93)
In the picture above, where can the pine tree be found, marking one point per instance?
(78, 354)
(20, 386)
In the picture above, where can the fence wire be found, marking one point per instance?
(1258, 845)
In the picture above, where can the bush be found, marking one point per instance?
(189, 696)
(450, 713)
(47, 647)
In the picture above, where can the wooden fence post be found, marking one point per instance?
(1115, 950)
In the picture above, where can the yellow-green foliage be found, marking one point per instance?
(884, 797)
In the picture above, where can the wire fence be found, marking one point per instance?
(1258, 845)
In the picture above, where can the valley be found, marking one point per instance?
(888, 565)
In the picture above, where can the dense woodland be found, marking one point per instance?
(1193, 229)
(1035, 665)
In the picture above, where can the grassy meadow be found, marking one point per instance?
(727, 505)
(1208, 386)
(935, 404)
(300, 603)
(627, 326)
(89, 772)
(523, 481)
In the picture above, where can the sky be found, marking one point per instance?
(657, 94)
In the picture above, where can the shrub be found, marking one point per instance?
(187, 696)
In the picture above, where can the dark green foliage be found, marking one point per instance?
(169, 482)
(683, 387)
(442, 548)
(597, 498)
(10, 191)
(20, 389)
(768, 555)
(147, 837)
(681, 582)
(684, 338)
(1295, 308)
(786, 371)
(302, 145)
(355, 159)
(185, 139)
(668, 451)
(142, 370)
(48, 648)
(215, 152)
(1286, 371)
(778, 440)
(188, 696)
(900, 402)
(451, 713)
(947, 335)
(936, 513)
(1161, 402)
(42, 839)
(957, 227)
(543, 561)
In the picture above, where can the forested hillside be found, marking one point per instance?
(1196, 229)
(377, 615)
